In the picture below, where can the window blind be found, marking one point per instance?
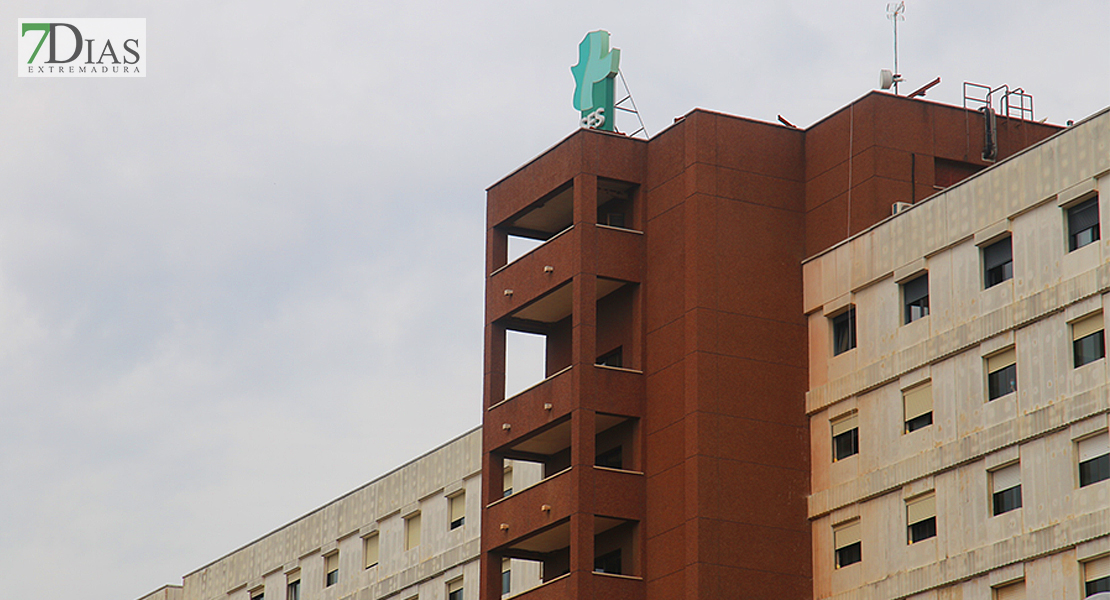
(919, 400)
(1001, 360)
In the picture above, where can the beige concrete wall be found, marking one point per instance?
(166, 592)
(377, 508)
(1054, 406)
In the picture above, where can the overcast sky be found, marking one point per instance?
(251, 281)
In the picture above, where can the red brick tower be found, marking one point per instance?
(671, 425)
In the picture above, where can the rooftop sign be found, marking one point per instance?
(594, 80)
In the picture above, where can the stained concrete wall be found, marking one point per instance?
(1059, 524)
(378, 508)
(166, 592)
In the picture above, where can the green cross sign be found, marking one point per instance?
(594, 78)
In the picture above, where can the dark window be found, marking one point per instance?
(507, 492)
(258, 596)
(998, 263)
(610, 458)
(1094, 470)
(1002, 382)
(333, 578)
(915, 295)
(848, 555)
(455, 595)
(846, 444)
(918, 422)
(1083, 224)
(844, 331)
(1089, 348)
(614, 219)
(293, 590)
(611, 359)
(1007, 500)
(923, 530)
(458, 522)
(610, 562)
(506, 582)
(1095, 586)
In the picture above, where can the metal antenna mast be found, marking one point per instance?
(895, 12)
(633, 110)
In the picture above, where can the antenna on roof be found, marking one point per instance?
(895, 13)
(633, 110)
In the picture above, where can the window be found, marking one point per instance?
(915, 296)
(293, 585)
(259, 594)
(610, 458)
(412, 531)
(998, 263)
(1088, 343)
(844, 331)
(918, 405)
(611, 359)
(506, 577)
(1094, 459)
(610, 562)
(455, 590)
(507, 482)
(921, 517)
(1096, 576)
(1083, 224)
(458, 509)
(846, 540)
(370, 550)
(331, 568)
(1005, 489)
(1001, 374)
(1014, 591)
(845, 433)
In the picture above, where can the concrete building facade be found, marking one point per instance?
(671, 425)
(410, 534)
(958, 388)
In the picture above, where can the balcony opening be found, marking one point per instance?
(518, 475)
(525, 360)
(539, 222)
(615, 546)
(616, 342)
(518, 575)
(538, 342)
(615, 203)
(614, 442)
(545, 553)
(538, 339)
(544, 453)
(519, 246)
(613, 358)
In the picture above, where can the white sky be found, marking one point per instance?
(237, 288)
